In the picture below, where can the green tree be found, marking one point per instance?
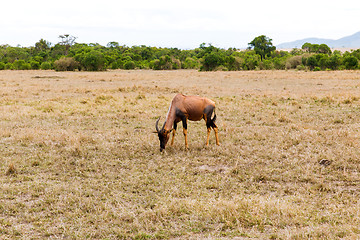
(34, 64)
(334, 61)
(42, 45)
(351, 62)
(93, 61)
(57, 51)
(306, 47)
(176, 63)
(323, 48)
(262, 46)
(21, 65)
(279, 63)
(322, 60)
(356, 53)
(190, 63)
(113, 45)
(212, 61)
(314, 48)
(203, 50)
(45, 66)
(16, 53)
(129, 65)
(251, 60)
(311, 62)
(165, 62)
(155, 64)
(67, 40)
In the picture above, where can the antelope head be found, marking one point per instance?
(163, 134)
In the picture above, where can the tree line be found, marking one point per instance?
(67, 55)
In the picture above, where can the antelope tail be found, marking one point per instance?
(214, 118)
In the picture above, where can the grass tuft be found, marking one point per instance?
(11, 170)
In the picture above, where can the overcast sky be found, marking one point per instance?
(183, 24)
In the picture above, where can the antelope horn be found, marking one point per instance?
(156, 125)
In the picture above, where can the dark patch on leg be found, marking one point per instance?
(210, 123)
(174, 132)
(208, 111)
(181, 115)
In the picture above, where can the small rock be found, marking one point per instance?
(325, 162)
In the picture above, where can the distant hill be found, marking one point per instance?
(352, 41)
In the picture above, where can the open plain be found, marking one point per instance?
(79, 159)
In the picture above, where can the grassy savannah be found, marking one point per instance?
(79, 160)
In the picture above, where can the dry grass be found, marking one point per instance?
(78, 159)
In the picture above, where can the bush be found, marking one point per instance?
(311, 62)
(34, 65)
(2, 66)
(301, 67)
(221, 68)
(212, 61)
(129, 65)
(155, 64)
(266, 65)
(293, 62)
(164, 63)
(66, 64)
(323, 61)
(176, 64)
(279, 63)
(93, 61)
(350, 62)
(237, 64)
(190, 63)
(21, 65)
(232, 63)
(114, 65)
(9, 66)
(334, 61)
(251, 62)
(45, 66)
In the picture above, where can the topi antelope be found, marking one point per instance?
(183, 108)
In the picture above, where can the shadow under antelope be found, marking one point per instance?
(183, 108)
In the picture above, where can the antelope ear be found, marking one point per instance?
(155, 132)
